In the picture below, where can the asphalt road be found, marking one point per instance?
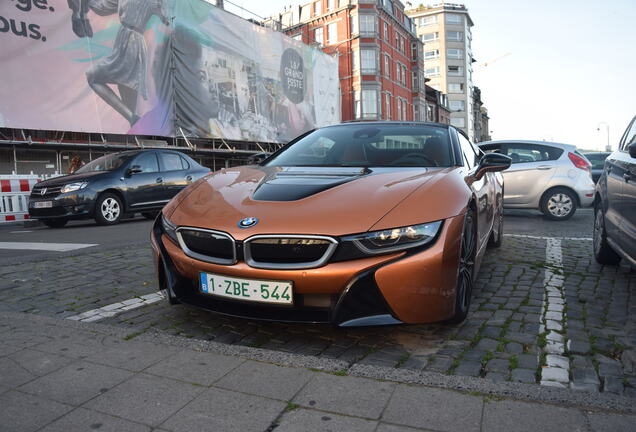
(129, 232)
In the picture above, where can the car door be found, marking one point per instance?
(624, 171)
(532, 168)
(144, 182)
(175, 170)
(483, 189)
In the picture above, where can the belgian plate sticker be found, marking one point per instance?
(204, 282)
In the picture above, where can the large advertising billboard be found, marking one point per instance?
(158, 67)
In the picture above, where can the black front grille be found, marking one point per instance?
(49, 192)
(213, 245)
(288, 251)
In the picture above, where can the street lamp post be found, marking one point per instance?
(608, 147)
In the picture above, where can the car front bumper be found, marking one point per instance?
(73, 205)
(413, 287)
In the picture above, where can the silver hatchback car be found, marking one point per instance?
(554, 178)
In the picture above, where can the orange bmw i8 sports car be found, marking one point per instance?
(354, 224)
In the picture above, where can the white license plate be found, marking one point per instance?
(264, 291)
(43, 204)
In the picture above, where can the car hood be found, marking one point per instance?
(323, 200)
(72, 178)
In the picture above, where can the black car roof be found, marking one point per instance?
(393, 123)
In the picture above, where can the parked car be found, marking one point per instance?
(615, 204)
(553, 178)
(112, 185)
(353, 224)
(597, 159)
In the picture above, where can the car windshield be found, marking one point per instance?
(370, 145)
(105, 163)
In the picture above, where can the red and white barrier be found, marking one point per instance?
(14, 196)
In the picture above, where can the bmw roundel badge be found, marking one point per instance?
(247, 222)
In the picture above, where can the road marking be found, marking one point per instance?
(117, 308)
(19, 232)
(556, 371)
(548, 238)
(54, 247)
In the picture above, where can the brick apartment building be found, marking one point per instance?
(381, 63)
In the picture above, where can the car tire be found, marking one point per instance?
(496, 235)
(466, 269)
(108, 209)
(54, 223)
(603, 252)
(150, 215)
(558, 204)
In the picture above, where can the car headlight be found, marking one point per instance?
(395, 239)
(72, 187)
(169, 229)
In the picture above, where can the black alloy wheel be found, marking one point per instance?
(466, 272)
(496, 235)
(603, 252)
(54, 223)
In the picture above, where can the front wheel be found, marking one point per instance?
(603, 252)
(466, 271)
(109, 209)
(54, 223)
(558, 204)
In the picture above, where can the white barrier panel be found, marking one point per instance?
(14, 196)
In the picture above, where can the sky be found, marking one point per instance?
(571, 68)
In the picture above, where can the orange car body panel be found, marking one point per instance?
(222, 199)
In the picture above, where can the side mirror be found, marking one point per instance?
(632, 150)
(492, 162)
(135, 169)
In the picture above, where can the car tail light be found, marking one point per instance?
(579, 162)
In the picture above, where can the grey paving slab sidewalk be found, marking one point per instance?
(60, 375)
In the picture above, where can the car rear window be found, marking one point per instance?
(370, 145)
(526, 153)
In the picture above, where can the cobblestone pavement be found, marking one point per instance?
(543, 312)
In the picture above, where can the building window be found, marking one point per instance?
(459, 122)
(398, 72)
(455, 71)
(331, 4)
(368, 61)
(386, 31)
(387, 66)
(367, 25)
(454, 19)
(318, 8)
(430, 37)
(399, 109)
(414, 81)
(455, 88)
(403, 75)
(332, 33)
(366, 104)
(431, 72)
(319, 35)
(387, 106)
(414, 50)
(454, 53)
(427, 20)
(457, 105)
(430, 55)
(454, 36)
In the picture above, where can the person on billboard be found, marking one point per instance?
(127, 65)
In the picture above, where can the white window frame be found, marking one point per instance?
(331, 4)
(455, 53)
(368, 61)
(434, 73)
(427, 20)
(365, 21)
(387, 106)
(319, 31)
(457, 105)
(369, 103)
(431, 57)
(318, 8)
(459, 90)
(454, 19)
(456, 122)
(434, 39)
(332, 33)
(460, 36)
(452, 72)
